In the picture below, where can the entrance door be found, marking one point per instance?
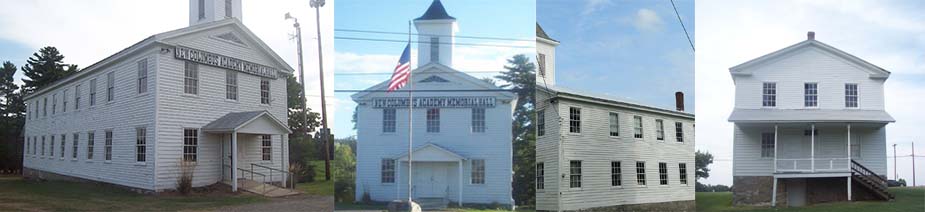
(796, 192)
(241, 161)
(430, 180)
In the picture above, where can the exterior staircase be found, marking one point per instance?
(264, 188)
(429, 204)
(876, 184)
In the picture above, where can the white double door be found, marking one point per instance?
(431, 179)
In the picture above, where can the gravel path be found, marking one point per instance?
(293, 203)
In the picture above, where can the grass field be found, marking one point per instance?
(382, 207)
(17, 194)
(907, 199)
(319, 186)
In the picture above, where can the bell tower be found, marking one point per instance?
(435, 30)
(545, 57)
(204, 11)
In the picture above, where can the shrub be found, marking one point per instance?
(185, 180)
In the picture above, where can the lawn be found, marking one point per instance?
(17, 194)
(382, 207)
(907, 199)
(320, 186)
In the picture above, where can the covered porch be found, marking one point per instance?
(253, 150)
(436, 175)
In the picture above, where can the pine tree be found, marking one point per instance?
(44, 68)
(520, 77)
(7, 87)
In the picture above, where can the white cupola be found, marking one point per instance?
(436, 30)
(204, 11)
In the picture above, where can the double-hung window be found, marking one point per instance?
(541, 60)
(388, 171)
(77, 94)
(74, 143)
(64, 101)
(434, 49)
(575, 174)
(810, 94)
(92, 92)
(682, 170)
(266, 147)
(478, 120)
(574, 120)
(659, 130)
(140, 144)
(637, 126)
(640, 173)
(108, 145)
(540, 178)
(663, 173)
(851, 95)
(231, 85)
(110, 86)
(433, 120)
(388, 120)
(540, 122)
(190, 78)
(90, 142)
(615, 172)
(614, 124)
(679, 131)
(63, 139)
(54, 103)
(767, 145)
(143, 76)
(190, 144)
(51, 146)
(264, 91)
(478, 171)
(769, 94)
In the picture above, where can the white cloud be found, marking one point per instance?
(647, 20)
(592, 6)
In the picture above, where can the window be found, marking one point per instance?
(679, 131)
(143, 76)
(51, 146)
(614, 124)
(434, 49)
(64, 101)
(54, 103)
(478, 120)
(108, 145)
(190, 144)
(90, 143)
(574, 120)
(45, 107)
(388, 171)
(111, 86)
(575, 174)
(769, 94)
(540, 179)
(264, 91)
(540, 122)
(43, 145)
(92, 92)
(28, 142)
(855, 147)
(202, 9)
(663, 173)
(77, 94)
(682, 170)
(640, 173)
(851, 95)
(231, 85)
(659, 130)
(478, 171)
(266, 147)
(541, 60)
(388, 120)
(36, 113)
(74, 144)
(767, 145)
(227, 8)
(433, 120)
(810, 94)
(63, 139)
(190, 78)
(140, 144)
(615, 179)
(637, 126)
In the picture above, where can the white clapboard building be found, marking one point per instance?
(212, 94)
(810, 127)
(596, 152)
(462, 130)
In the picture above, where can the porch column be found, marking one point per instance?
(460, 182)
(849, 161)
(282, 160)
(774, 193)
(234, 162)
(397, 178)
(812, 147)
(775, 147)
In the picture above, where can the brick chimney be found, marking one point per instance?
(679, 101)
(811, 35)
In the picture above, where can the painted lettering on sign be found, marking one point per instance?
(222, 61)
(437, 102)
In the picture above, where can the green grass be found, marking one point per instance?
(17, 194)
(907, 199)
(319, 186)
(382, 207)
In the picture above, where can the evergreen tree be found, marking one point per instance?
(44, 68)
(293, 92)
(7, 87)
(520, 77)
(12, 118)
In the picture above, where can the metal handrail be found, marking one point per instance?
(282, 172)
(252, 177)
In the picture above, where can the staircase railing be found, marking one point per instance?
(252, 173)
(284, 175)
(878, 182)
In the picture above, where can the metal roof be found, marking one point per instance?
(435, 12)
(809, 115)
(542, 33)
(233, 121)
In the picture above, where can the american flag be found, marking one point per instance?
(402, 70)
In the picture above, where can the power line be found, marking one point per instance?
(390, 73)
(682, 25)
(432, 35)
(445, 43)
(426, 91)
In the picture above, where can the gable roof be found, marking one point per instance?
(562, 92)
(542, 33)
(434, 146)
(445, 71)
(234, 121)
(436, 11)
(745, 68)
(160, 39)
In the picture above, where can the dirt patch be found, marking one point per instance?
(300, 202)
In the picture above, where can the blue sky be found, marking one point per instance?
(636, 50)
(889, 34)
(482, 18)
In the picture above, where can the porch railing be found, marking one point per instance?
(806, 164)
(283, 175)
(253, 175)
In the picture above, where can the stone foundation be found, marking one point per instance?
(39, 175)
(755, 191)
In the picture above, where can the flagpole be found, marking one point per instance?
(410, 112)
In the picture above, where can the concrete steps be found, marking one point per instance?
(264, 189)
(428, 204)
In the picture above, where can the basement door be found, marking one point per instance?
(796, 192)
(430, 180)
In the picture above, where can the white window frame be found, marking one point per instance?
(541, 123)
(663, 173)
(231, 85)
(387, 171)
(389, 120)
(92, 92)
(478, 120)
(63, 145)
(541, 61)
(659, 130)
(90, 143)
(574, 120)
(77, 93)
(54, 103)
(228, 9)
(478, 172)
(855, 95)
(266, 147)
(769, 94)
(111, 86)
(638, 128)
(264, 91)
(107, 145)
(433, 120)
(142, 76)
(682, 172)
(574, 174)
(811, 95)
(190, 78)
(434, 49)
(75, 142)
(540, 176)
(64, 100)
(679, 132)
(616, 172)
(767, 144)
(141, 141)
(190, 144)
(614, 119)
(641, 173)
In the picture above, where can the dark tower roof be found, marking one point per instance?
(541, 33)
(435, 12)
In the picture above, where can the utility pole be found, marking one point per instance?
(913, 164)
(317, 4)
(298, 37)
(895, 176)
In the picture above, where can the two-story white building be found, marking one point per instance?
(462, 150)
(810, 127)
(212, 95)
(597, 152)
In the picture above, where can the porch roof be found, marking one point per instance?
(809, 115)
(431, 152)
(235, 121)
